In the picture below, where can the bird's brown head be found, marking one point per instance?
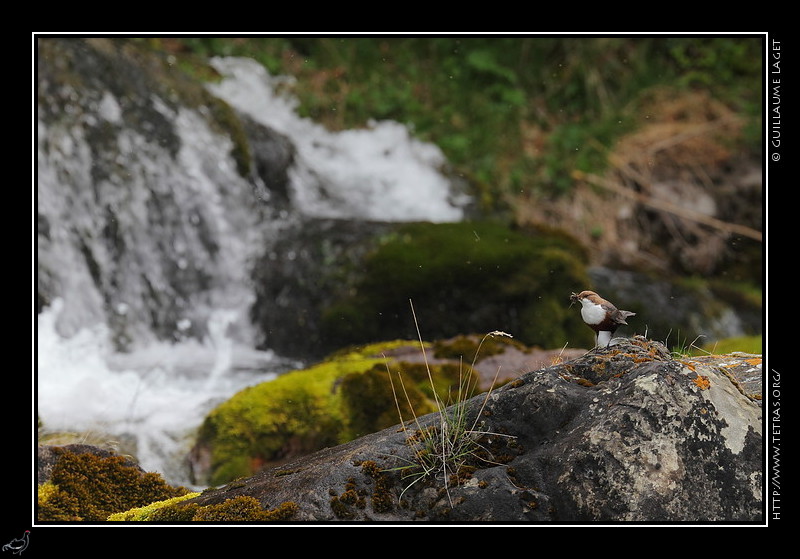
(577, 297)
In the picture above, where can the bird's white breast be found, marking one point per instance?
(591, 312)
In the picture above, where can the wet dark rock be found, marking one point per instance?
(626, 433)
(272, 156)
(705, 311)
(151, 193)
(349, 283)
(303, 271)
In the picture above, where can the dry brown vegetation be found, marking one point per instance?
(663, 194)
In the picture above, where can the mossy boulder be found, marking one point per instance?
(620, 434)
(88, 484)
(463, 277)
(85, 483)
(348, 395)
(328, 284)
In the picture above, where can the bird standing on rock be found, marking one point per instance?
(600, 315)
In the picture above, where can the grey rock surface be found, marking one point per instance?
(626, 433)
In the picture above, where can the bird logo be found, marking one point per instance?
(18, 545)
(600, 315)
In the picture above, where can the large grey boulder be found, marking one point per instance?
(626, 433)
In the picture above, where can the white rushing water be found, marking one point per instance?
(148, 403)
(153, 398)
(379, 173)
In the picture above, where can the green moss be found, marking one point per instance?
(519, 281)
(244, 509)
(746, 344)
(382, 499)
(353, 393)
(87, 487)
(370, 399)
(154, 511)
(239, 509)
(341, 509)
(466, 348)
(56, 505)
(257, 424)
(329, 403)
(348, 505)
(741, 295)
(374, 350)
(175, 513)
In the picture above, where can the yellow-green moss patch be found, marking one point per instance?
(244, 509)
(145, 513)
(744, 344)
(88, 487)
(344, 397)
(474, 347)
(238, 509)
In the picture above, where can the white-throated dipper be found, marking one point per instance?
(600, 315)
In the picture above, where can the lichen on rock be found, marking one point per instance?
(640, 441)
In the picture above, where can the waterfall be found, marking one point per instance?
(146, 235)
(148, 402)
(380, 173)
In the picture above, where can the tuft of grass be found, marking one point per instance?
(684, 347)
(443, 450)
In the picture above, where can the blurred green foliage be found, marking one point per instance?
(464, 277)
(746, 344)
(478, 98)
